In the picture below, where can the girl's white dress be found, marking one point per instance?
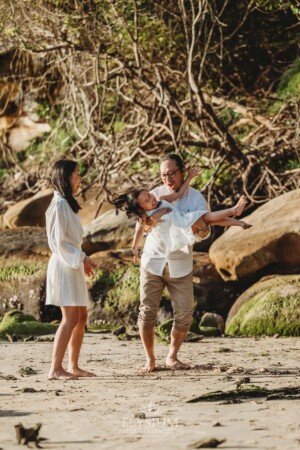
(66, 285)
(176, 228)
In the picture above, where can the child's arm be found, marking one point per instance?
(138, 234)
(193, 172)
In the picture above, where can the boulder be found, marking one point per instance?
(270, 307)
(23, 130)
(22, 285)
(109, 231)
(24, 243)
(264, 284)
(211, 292)
(29, 212)
(213, 320)
(17, 323)
(273, 239)
(164, 330)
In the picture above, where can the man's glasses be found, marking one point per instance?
(170, 174)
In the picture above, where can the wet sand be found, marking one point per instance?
(99, 413)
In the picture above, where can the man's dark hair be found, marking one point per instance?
(173, 157)
(60, 180)
(128, 203)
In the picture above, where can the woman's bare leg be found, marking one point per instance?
(76, 343)
(70, 316)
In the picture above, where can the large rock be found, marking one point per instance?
(262, 285)
(273, 239)
(24, 243)
(109, 231)
(271, 306)
(211, 292)
(19, 324)
(29, 212)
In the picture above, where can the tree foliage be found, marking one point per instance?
(125, 81)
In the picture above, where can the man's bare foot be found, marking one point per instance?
(149, 366)
(61, 375)
(175, 364)
(81, 373)
(245, 225)
(239, 207)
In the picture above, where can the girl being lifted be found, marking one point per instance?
(178, 229)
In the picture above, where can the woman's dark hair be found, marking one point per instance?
(173, 157)
(60, 180)
(128, 202)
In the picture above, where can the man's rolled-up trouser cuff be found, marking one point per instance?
(146, 323)
(183, 327)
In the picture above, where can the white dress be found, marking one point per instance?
(66, 285)
(175, 229)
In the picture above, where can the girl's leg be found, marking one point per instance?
(216, 216)
(70, 316)
(228, 222)
(76, 343)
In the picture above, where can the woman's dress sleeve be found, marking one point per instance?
(71, 255)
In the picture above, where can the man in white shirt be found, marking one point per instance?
(160, 269)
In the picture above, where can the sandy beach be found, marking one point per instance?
(100, 413)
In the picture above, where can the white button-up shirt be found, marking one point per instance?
(155, 253)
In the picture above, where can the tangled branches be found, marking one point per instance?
(128, 81)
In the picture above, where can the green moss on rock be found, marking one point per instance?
(20, 270)
(164, 329)
(210, 331)
(274, 311)
(20, 324)
(194, 328)
(125, 293)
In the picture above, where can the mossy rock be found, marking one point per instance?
(263, 285)
(20, 324)
(21, 270)
(164, 329)
(194, 328)
(210, 331)
(212, 320)
(124, 296)
(273, 311)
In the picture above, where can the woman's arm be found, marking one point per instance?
(193, 172)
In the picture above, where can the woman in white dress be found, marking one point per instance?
(68, 265)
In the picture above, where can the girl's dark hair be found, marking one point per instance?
(173, 157)
(60, 180)
(128, 202)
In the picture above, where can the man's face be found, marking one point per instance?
(171, 176)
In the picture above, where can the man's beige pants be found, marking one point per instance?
(182, 298)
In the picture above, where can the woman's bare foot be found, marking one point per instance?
(149, 366)
(61, 374)
(175, 364)
(81, 373)
(239, 207)
(245, 225)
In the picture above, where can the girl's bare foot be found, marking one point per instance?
(239, 207)
(245, 225)
(149, 366)
(82, 373)
(61, 374)
(175, 364)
